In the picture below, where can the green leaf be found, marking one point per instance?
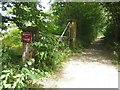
(15, 84)
(5, 71)
(29, 62)
(3, 76)
(7, 85)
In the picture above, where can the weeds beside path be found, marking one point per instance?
(91, 69)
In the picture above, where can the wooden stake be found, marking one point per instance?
(26, 51)
(72, 34)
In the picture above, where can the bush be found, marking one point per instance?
(117, 52)
(12, 45)
(16, 76)
(48, 53)
(48, 57)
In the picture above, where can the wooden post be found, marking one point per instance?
(25, 51)
(29, 35)
(72, 34)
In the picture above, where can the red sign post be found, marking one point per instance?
(27, 37)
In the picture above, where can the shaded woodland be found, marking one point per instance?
(93, 20)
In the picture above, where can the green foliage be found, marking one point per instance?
(14, 73)
(12, 39)
(25, 11)
(88, 16)
(48, 53)
(12, 46)
(22, 75)
(112, 36)
(109, 34)
(117, 52)
(92, 19)
(17, 76)
(49, 56)
(113, 25)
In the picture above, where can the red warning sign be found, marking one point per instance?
(26, 37)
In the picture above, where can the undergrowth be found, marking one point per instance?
(49, 57)
(117, 53)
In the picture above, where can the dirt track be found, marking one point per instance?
(91, 69)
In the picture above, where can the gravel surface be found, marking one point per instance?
(91, 69)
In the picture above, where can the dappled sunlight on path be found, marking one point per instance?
(91, 69)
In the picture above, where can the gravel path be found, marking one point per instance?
(91, 69)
